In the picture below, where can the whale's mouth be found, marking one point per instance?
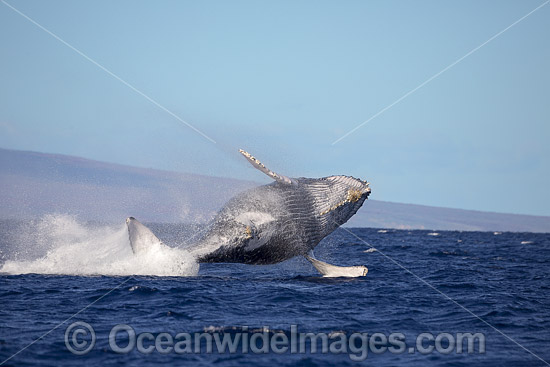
(366, 187)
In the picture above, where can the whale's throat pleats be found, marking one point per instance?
(331, 194)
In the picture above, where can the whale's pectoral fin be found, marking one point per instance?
(141, 237)
(258, 165)
(332, 271)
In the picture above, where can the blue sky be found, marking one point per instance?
(284, 80)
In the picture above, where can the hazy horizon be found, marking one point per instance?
(255, 180)
(37, 185)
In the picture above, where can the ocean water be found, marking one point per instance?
(57, 271)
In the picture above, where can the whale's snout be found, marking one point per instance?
(367, 190)
(361, 188)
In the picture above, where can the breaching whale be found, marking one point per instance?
(275, 222)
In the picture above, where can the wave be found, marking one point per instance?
(66, 246)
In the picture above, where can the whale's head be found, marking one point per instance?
(337, 198)
(334, 199)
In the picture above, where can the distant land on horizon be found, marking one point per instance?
(35, 184)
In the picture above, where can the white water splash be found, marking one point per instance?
(73, 248)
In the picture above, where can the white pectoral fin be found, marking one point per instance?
(333, 271)
(258, 165)
(141, 237)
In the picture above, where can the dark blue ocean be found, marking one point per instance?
(440, 283)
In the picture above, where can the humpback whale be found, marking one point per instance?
(274, 222)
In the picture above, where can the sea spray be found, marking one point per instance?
(60, 244)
